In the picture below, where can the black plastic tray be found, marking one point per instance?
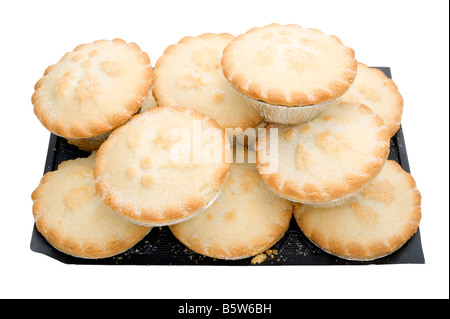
(160, 247)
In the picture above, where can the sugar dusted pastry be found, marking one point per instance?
(156, 169)
(245, 220)
(189, 74)
(279, 67)
(93, 89)
(94, 143)
(374, 223)
(72, 217)
(330, 158)
(374, 89)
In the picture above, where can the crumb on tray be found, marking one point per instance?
(259, 259)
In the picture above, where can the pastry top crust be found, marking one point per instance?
(329, 158)
(189, 74)
(374, 89)
(374, 223)
(244, 221)
(163, 166)
(71, 216)
(289, 65)
(93, 89)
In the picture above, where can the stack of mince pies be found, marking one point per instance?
(166, 148)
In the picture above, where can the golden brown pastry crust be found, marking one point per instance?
(125, 175)
(374, 223)
(88, 144)
(247, 83)
(374, 89)
(74, 220)
(189, 74)
(88, 81)
(244, 221)
(310, 154)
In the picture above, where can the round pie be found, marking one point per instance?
(189, 74)
(374, 223)
(93, 89)
(163, 166)
(245, 220)
(289, 65)
(374, 89)
(332, 157)
(74, 220)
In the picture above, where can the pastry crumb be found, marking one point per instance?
(271, 253)
(259, 259)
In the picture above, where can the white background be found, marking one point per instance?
(411, 37)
